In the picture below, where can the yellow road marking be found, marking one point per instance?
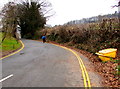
(84, 71)
(15, 51)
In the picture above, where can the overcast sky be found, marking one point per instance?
(67, 10)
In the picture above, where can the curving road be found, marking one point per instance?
(41, 65)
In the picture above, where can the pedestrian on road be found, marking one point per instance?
(44, 38)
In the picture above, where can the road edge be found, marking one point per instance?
(82, 66)
(85, 75)
(14, 52)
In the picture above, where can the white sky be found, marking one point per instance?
(67, 10)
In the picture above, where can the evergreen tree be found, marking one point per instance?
(31, 19)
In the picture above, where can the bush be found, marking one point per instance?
(90, 37)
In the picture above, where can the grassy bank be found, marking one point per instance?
(9, 44)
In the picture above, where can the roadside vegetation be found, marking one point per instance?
(9, 44)
(92, 37)
(30, 16)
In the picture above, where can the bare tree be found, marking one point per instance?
(9, 19)
(32, 14)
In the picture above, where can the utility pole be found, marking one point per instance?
(29, 3)
(119, 12)
(119, 9)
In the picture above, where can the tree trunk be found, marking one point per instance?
(4, 37)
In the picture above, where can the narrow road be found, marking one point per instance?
(41, 65)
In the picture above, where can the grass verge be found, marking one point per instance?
(9, 45)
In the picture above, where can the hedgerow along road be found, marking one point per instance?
(44, 65)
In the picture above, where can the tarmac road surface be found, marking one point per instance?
(41, 65)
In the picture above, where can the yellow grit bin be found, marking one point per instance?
(106, 54)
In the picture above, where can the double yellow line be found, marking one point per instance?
(84, 71)
(15, 51)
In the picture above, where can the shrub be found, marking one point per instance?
(90, 37)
